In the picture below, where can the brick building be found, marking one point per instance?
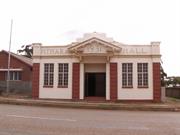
(96, 66)
(20, 72)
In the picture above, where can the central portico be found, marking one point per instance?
(94, 56)
(97, 66)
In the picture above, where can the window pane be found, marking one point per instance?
(51, 79)
(46, 79)
(60, 67)
(129, 67)
(65, 67)
(46, 67)
(51, 67)
(11, 74)
(60, 79)
(65, 79)
(140, 79)
(139, 67)
(129, 79)
(124, 67)
(15, 76)
(145, 79)
(124, 78)
(145, 67)
(19, 75)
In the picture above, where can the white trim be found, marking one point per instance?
(12, 69)
(81, 93)
(107, 82)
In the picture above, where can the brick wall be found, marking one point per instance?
(113, 81)
(2, 76)
(156, 82)
(35, 80)
(75, 81)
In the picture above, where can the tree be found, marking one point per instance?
(173, 81)
(27, 49)
(163, 76)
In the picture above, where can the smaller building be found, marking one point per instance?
(20, 72)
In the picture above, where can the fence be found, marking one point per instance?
(173, 92)
(17, 86)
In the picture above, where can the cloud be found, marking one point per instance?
(70, 36)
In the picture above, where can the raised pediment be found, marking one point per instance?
(94, 46)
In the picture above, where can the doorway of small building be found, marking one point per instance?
(95, 84)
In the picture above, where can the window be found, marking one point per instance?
(127, 74)
(14, 75)
(63, 75)
(142, 74)
(48, 74)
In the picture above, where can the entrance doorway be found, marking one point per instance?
(95, 84)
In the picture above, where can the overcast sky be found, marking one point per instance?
(59, 22)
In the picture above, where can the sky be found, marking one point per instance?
(60, 22)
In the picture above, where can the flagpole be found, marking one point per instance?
(9, 59)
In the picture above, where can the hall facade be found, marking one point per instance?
(96, 66)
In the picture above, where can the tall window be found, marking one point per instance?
(142, 74)
(127, 74)
(48, 74)
(63, 75)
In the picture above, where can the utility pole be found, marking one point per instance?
(9, 59)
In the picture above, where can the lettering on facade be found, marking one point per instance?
(133, 51)
(94, 48)
(52, 51)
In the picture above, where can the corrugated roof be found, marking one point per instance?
(21, 58)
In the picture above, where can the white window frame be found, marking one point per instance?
(127, 75)
(63, 75)
(142, 70)
(48, 74)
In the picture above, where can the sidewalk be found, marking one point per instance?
(167, 106)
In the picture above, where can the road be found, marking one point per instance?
(29, 120)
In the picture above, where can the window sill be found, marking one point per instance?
(15, 80)
(46, 86)
(62, 86)
(143, 87)
(127, 87)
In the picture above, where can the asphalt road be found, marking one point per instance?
(29, 120)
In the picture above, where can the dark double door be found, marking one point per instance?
(95, 84)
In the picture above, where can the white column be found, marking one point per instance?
(107, 81)
(81, 81)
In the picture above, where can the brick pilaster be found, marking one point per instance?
(113, 81)
(156, 82)
(35, 80)
(75, 81)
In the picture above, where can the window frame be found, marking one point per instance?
(14, 76)
(127, 75)
(63, 75)
(48, 75)
(142, 75)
